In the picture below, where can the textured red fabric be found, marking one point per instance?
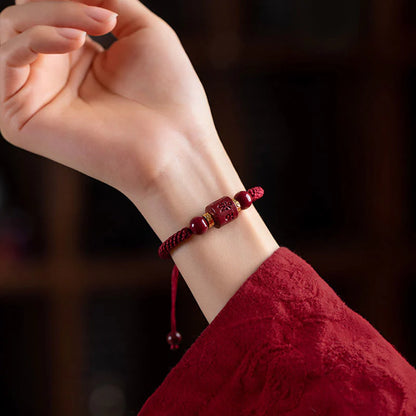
(286, 344)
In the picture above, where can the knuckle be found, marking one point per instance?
(6, 24)
(167, 28)
(70, 8)
(36, 31)
(5, 13)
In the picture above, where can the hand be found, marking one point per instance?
(134, 116)
(121, 115)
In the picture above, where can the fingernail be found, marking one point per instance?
(70, 33)
(100, 14)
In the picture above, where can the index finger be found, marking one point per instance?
(132, 14)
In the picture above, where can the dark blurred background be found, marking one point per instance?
(316, 102)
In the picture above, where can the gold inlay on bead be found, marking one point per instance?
(237, 204)
(209, 219)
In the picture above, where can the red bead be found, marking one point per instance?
(244, 198)
(222, 210)
(174, 339)
(198, 225)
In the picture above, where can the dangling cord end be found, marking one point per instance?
(174, 338)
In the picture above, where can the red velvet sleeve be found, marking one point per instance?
(286, 344)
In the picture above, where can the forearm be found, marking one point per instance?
(216, 264)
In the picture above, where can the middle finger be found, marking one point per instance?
(93, 20)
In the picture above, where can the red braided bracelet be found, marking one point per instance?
(218, 213)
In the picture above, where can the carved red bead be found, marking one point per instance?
(198, 225)
(174, 339)
(222, 210)
(244, 199)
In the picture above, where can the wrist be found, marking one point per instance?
(194, 177)
(215, 264)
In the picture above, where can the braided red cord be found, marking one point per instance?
(174, 240)
(174, 289)
(174, 338)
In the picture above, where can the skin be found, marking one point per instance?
(134, 116)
